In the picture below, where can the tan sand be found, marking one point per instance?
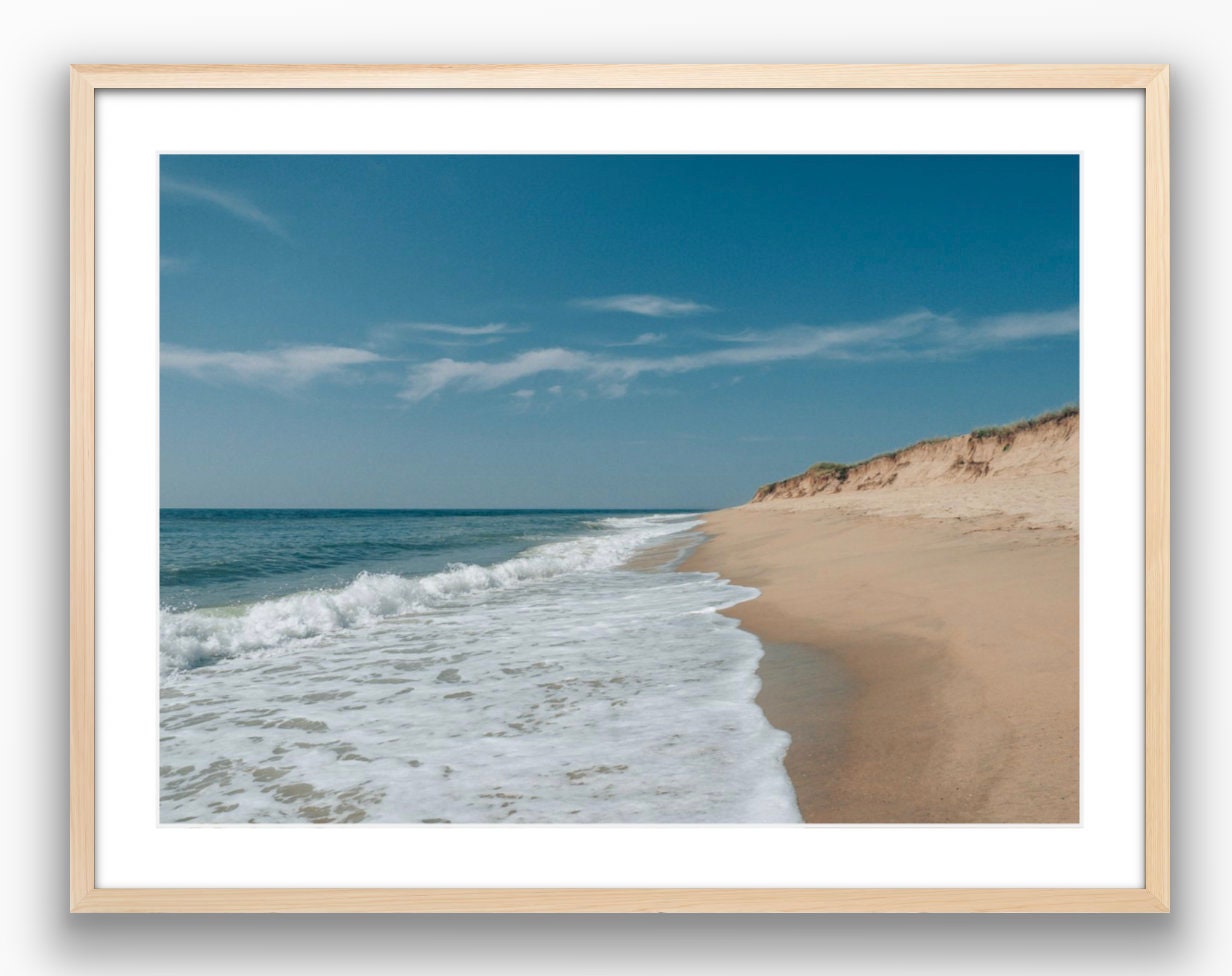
(922, 638)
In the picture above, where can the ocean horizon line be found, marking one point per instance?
(359, 508)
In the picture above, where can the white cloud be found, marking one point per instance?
(442, 334)
(232, 203)
(458, 330)
(173, 265)
(1011, 328)
(281, 369)
(427, 378)
(656, 306)
(920, 335)
(645, 339)
(523, 394)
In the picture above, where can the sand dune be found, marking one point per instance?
(1025, 477)
(920, 612)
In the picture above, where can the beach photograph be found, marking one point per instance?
(618, 489)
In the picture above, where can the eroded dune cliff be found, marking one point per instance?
(1028, 470)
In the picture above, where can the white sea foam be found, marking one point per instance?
(556, 687)
(193, 638)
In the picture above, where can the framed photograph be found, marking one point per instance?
(619, 488)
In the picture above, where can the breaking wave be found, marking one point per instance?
(200, 637)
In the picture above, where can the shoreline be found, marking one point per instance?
(925, 668)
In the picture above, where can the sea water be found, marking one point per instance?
(456, 667)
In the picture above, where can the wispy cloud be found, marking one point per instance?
(427, 378)
(173, 265)
(232, 203)
(441, 334)
(645, 339)
(284, 369)
(920, 335)
(457, 330)
(1012, 328)
(656, 306)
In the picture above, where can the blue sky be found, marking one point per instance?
(596, 331)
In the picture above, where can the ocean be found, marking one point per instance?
(334, 666)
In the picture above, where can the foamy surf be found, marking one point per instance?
(552, 687)
(194, 638)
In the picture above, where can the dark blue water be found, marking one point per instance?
(224, 557)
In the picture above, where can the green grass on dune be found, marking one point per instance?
(841, 471)
(1069, 410)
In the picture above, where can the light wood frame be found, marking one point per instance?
(84, 896)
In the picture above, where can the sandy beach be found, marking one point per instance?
(920, 618)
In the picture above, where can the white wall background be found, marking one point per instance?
(36, 933)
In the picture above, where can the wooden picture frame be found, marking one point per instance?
(86, 80)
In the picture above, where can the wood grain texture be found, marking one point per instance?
(84, 896)
(619, 75)
(1157, 530)
(675, 900)
(81, 489)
